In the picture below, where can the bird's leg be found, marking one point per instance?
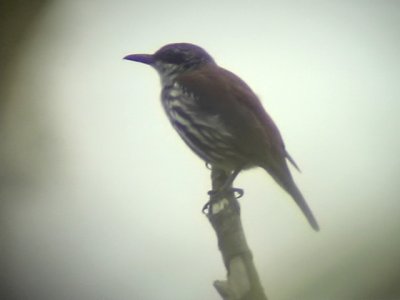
(225, 188)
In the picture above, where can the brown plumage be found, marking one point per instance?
(219, 116)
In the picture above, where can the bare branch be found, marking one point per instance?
(242, 281)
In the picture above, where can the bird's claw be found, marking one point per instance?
(217, 194)
(206, 207)
(238, 193)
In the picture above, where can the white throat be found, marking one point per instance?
(167, 72)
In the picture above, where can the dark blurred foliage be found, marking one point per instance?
(16, 20)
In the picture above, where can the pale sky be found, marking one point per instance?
(112, 207)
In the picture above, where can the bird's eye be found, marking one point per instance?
(173, 57)
(176, 58)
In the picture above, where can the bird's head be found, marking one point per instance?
(173, 59)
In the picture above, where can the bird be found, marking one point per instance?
(220, 118)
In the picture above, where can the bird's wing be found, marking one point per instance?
(220, 92)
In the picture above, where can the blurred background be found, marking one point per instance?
(100, 199)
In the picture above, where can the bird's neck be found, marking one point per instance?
(169, 72)
(168, 79)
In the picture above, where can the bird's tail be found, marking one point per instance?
(301, 202)
(283, 177)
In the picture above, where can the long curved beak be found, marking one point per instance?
(147, 59)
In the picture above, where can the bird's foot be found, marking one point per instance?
(208, 165)
(216, 195)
